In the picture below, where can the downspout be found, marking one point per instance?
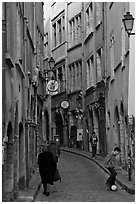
(85, 140)
(26, 105)
(66, 77)
(105, 67)
(35, 89)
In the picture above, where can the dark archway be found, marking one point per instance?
(122, 135)
(117, 126)
(47, 124)
(21, 158)
(59, 127)
(8, 187)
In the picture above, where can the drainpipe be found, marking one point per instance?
(105, 66)
(85, 140)
(66, 139)
(26, 105)
(4, 42)
(35, 88)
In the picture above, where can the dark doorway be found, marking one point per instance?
(47, 124)
(21, 158)
(59, 127)
(73, 136)
(9, 163)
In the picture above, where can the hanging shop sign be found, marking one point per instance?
(51, 93)
(64, 104)
(79, 134)
(52, 86)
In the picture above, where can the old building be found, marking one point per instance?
(77, 46)
(94, 66)
(22, 62)
(118, 55)
(91, 53)
(55, 31)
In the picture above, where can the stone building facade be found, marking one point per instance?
(22, 64)
(91, 53)
(77, 41)
(117, 64)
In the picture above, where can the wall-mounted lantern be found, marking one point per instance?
(128, 22)
(51, 63)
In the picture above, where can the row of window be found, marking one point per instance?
(75, 76)
(75, 73)
(75, 30)
(74, 26)
(58, 29)
(93, 70)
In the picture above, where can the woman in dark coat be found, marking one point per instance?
(47, 167)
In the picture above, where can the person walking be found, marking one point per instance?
(47, 168)
(110, 164)
(93, 141)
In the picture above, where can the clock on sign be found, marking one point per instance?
(64, 104)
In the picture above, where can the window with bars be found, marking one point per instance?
(89, 19)
(112, 56)
(63, 28)
(80, 74)
(46, 44)
(75, 30)
(70, 32)
(75, 76)
(98, 60)
(60, 78)
(79, 27)
(98, 13)
(59, 31)
(54, 35)
(90, 72)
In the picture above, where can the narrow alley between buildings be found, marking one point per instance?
(82, 181)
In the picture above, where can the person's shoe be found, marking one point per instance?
(108, 186)
(47, 194)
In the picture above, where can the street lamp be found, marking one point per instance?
(51, 63)
(35, 77)
(128, 22)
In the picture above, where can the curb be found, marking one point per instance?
(121, 183)
(36, 192)
(29, 194)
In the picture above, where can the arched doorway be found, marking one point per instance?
(117, 130)
(21, 158)
(122, 134)
(8, 187)
(91, 127)
(59, 127)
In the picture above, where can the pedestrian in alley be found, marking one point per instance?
(110, 164)
(93, 141)
(47, 168)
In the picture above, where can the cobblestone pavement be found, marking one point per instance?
(82, 181)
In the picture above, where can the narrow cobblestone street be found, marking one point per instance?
(82, 181)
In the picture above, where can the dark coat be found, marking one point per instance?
(47, 167)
